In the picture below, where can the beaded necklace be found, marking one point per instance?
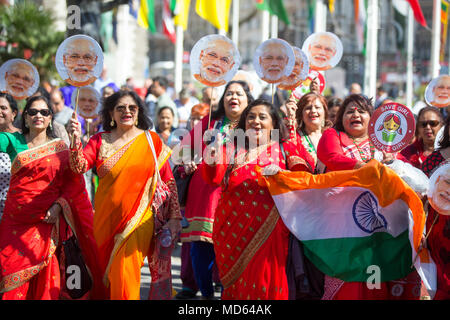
(310, 147)
(361, 153)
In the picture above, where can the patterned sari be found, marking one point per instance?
(124, 222)
(29, 266)
(250, 238)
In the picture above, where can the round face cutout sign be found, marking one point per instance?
(324, 50)
(391, 127)
(88, 102)
(79, 60)
(274, 59)
(19, 78)
(439, 189)
(437, 92)
(304, 87)
(214, 60)
(298, 74)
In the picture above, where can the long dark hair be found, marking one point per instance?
(220, 112)
(445, 140)
(362, 101)
(30, 101)
(144, 122)
(277, 123)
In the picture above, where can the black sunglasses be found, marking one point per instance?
(33, 112)
(432, 123)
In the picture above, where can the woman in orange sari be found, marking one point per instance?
(250, 238)
(125, 219)
(42, 187)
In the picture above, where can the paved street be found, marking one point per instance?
(176, 281)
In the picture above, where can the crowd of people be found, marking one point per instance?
(113, 180)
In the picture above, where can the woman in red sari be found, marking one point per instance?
(438, 241)
(346, 146)
(250, 238)
(43, 194)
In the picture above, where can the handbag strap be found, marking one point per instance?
(152, 147)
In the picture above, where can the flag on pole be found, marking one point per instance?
(182, 13)
(379, 222)
(167, 19)
(361, 24)
(418, 14)
(275, 7)
(444, 27)
(216, 12)
(146, 15)
(331, 5)
(311, 15)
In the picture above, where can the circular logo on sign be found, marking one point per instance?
(391, 127)
(303, 89)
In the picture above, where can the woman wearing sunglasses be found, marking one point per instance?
(125, 219)
(429, 121)
(43, 194)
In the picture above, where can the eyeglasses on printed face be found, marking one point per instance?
(43, 112)
(432, 123)
(123, 108)
(87, 58)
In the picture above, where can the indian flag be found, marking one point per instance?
(351, 220)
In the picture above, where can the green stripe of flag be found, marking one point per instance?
(349, 258)
(275, 7)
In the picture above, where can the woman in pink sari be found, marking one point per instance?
(44, 193)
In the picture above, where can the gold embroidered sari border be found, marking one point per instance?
(253, 246)
(15, 280)
(30, 155)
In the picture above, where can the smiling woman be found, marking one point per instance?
(126, 219)
(42, 191)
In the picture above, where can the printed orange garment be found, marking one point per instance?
(124, 220)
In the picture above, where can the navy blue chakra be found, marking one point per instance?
(366, 215)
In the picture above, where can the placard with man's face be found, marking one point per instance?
(437, 92)
(89, 102)
(79, 60)
(274, 59)
(298, 74)
(324, 50)
(19, 78)
(214, 60)
(439, 189)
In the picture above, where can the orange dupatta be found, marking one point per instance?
(123, 220)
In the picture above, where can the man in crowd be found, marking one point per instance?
(62, 113)
(159, 90)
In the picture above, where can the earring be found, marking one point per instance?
(136, 122)
(51, 126)
(112, 123)
(26, 125)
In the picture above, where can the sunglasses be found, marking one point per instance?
(43, 112)
(432, 123)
